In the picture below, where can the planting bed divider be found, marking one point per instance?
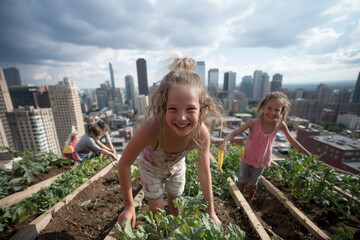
(31, 231)
(27, 193)
(240, 201)
(300, 216)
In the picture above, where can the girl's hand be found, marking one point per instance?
(114, 156)
(223, 145)
(214, 217)
(128, 213)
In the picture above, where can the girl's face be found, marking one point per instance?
(96, 138)
(182, 110)
(272, 110)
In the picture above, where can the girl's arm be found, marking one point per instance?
(108, 152)
(142, 138)
(234, 133)
(103, 146)
(292, 140)
(109, 143)
(204, 174)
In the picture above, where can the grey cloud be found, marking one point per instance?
(41, 30)
(279, 23)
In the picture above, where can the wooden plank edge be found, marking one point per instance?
(137, 201)
(32, 231)
(300, 216)
(240, 201)
(27, 193)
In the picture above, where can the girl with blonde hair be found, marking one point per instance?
(173, 126)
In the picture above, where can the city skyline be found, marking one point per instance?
(302, 43)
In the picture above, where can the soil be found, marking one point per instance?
(92, 221)
(275, 218)
(43, 176)
(13, 229)
(327, 219)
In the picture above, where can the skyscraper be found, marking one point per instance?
(213, 81)
(276, 83)
(29, 96)
(34, 129)
(356, 96)
(246, 86)
(5, 106)
(101, 95)
(130, 91)
(200, 70)
(229, 81)
(260, 84)
(112, 76)
(12, 76)
(142, 76)
(65, 104)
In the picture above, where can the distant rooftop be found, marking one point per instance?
(338, 141)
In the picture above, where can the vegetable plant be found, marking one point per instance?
(192, 223)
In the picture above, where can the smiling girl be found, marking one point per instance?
(273, 110)
(174, 125)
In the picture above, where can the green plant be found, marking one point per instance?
(314, 182)
(346, 233)
(48, 197)
(192, 223)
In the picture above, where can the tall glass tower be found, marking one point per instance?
(112, 76)
(142, 76)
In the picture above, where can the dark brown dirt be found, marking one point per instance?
(46, 175)
(327, 219)
(277, 219)
(94, 220)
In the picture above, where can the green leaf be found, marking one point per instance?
(87, 202)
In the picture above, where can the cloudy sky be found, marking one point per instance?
(305, 40)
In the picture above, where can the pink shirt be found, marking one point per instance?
(259, 147)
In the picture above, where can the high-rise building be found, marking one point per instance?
(246, 86)
(130, 91)
(12, 76)
(143, 103)
(213, 81)
(112, 76)
(115, 100)
(142, 76)
(323, 93)
(34, 129)
(229, 81)
(200, 70)
(276, 83)
(260, 84)
(308, 109)
(101, 95)
(29, 96)
(356, 96)
(5, 106)
(65, 104)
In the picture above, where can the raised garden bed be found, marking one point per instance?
(18, 216)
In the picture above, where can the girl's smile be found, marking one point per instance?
(182, 109)
(272, 109)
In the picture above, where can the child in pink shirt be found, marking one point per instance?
(273, 110)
